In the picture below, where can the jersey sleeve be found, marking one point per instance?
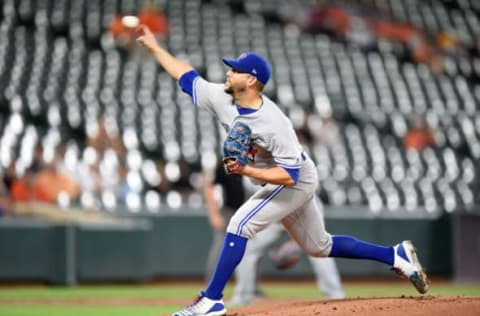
(187, 81)
(210, 96)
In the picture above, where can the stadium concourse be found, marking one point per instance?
(391, 130)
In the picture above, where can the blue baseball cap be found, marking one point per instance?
(252, 64)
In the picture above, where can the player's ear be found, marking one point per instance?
(254, 82)
(251, 80)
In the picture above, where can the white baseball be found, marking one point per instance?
(130, 21)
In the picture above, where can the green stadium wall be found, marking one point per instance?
(175, 246)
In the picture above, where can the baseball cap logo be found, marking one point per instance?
(243, 55)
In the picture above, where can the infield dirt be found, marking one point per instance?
(391, 306)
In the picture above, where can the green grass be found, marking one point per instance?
(17, 294)
(100, 291)
(85, 311)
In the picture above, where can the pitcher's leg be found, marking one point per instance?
(306, 226)
(268, 205)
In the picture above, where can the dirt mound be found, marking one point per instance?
(391, 306)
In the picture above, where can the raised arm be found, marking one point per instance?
(172, 65)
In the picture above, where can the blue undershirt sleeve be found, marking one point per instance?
(187, 81)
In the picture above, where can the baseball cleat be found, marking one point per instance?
(203, 306)
(406, 264)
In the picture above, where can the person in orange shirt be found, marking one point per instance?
(153, 17)
(52, 181)
(22, 189)
(116, 27)
(150, 15)
(419, 136)
(123, 36)
(35, 195)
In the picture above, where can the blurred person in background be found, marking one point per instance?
(54, 180)
(164, 186)
(9, 175)
(38, 163)
(103, 160)
(103, 138)
(419, 136)
(37, 195)
(220, 208)
(449, 44)
(150, 14)
(153, 16)
(123, 36)
(182, 182)
(5, 200)
(176, 180)
(23, 187)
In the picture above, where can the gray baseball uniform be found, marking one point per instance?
(274, 137)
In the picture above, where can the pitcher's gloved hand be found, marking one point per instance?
(236, 148)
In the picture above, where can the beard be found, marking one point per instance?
(228, 90)
(233, 91)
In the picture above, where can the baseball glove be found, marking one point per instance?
(236, 148)
(286, 255)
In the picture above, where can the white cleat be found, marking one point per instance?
(407, 265)
(203, 306)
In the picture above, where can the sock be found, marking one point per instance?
(350, 247)
(231, 254)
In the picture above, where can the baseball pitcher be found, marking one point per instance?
(261, 144)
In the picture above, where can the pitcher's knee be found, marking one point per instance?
(318, 253)
(241, 229)
(319, 249)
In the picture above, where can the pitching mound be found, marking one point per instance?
(391, 306)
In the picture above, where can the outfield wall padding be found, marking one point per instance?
(171, 246)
